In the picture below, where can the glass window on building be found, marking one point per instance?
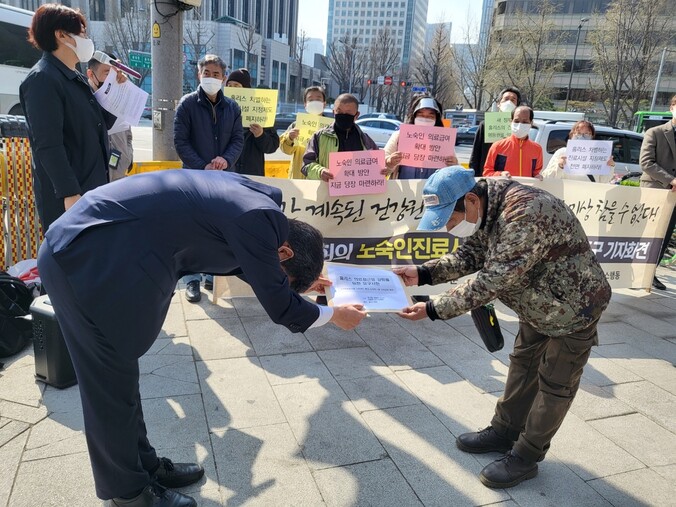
(282, 80)
(275, 74)
(97, 10)
(253, 69)
(237, 58)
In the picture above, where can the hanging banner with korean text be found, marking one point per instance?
(426, 147)
(258, 105)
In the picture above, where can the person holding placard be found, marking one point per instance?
(528, 249)
(343, 135)
(424, 111)
(516, 155)
(314, 100)
(581, 131)
(257, 140)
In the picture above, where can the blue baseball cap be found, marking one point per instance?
(442, 190)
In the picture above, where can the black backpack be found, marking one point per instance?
(16, 331)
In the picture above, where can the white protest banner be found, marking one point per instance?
(379, 290)
(308, 124)
(625, 225)
(258, 105)
(125, 100)
(356, 172)
(588, 157)
(497, 126)
(426, 147)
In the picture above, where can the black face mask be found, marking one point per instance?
(344, 121)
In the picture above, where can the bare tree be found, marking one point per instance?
(626, 45)
(129, 32)
(383, 58)
(301, 45)
(434, 70)
(346, 61)
(248, 39)
(197, 36)
(526, 57)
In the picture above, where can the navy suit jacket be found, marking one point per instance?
(124, 246)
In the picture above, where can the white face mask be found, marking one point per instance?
(83, 49)
(424, 122)
(465, 229)
(314, 107)
(507, 106)
(211, 85)
(582, 137)
(520, 130)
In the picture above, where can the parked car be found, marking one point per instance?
(283, 120)
(465, 135)
(378, 115)
(626, 144)
(378, 129)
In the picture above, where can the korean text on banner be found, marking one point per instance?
(357, 172)
(588, 157)
(308, 124)
(426, 147)
(497, 126)
(257, 105)
(124, 100)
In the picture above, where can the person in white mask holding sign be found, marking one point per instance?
(68, 130)
(516, 155)
(425, 111)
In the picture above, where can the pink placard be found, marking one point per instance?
(357, 172)
(426, 147)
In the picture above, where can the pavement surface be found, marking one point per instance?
(361, 418)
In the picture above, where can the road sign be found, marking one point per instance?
(419, 89)
(139, 59)
(381, 80)
(388, 80)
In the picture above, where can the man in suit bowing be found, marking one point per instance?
(658, 163)
(110, 266)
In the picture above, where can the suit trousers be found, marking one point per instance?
(121, 456)
(667, 237)
(544, 375)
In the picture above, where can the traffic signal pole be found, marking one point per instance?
(167, 74)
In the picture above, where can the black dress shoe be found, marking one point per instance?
(192, 291)
(177, 475)
(154, 495)
(658, 285)
(486, 440)
(209, 284)
(508, 471)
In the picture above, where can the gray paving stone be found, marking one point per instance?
(269, 338)
(237, 394)
(454, 401)
(648, 323)
(601, 371)
(637, 488)
(373, 483)
(176, 422)
(62, 400)
(592, 402)
(588, 453)
(328, 428)
(205, 309)
(556, 485)
(641, 437)
(263, 466)
(372, 393)
(616, 332)
(165, 375)
(174, 323)
(472, 334)
(666, 471)
(60, 434)
(10, 457)
(247, 307)
(294, 368)
(329, 337)
(346, 364)
(650, 400)
(429, 332)
(18, 380)
(425, 453)
(177, 346)
(55, 482)
(219, 339)
(20, 412)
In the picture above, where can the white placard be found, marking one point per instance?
(588, 157)
(379, 290)
(126, 100)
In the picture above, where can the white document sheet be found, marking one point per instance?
(126, 100)
(379, 290)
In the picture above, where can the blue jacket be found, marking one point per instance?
(125, 245)
(204, 131)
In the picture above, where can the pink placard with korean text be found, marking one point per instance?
(426, 147)
(357, 172)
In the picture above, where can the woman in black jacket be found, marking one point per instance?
(67, 128)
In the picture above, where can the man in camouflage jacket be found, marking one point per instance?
(529, 250)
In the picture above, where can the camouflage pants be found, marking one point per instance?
(544, 375)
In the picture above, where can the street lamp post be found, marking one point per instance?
(659, 76)
(572, 65)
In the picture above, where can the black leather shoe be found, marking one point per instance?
(658, 285)
(508, 471)
(154, 495)
(177, 475)
(486, 440)
(209, 284)
(192, 291)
